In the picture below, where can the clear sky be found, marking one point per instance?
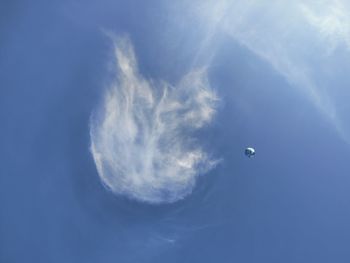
(124, 124)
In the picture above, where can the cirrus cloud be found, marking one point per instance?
(141, 134)
(299, 39)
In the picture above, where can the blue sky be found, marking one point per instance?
(269, 75)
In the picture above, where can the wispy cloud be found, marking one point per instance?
(332, 21)
(141, 134)
(295, 37)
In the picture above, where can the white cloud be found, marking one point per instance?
(295, 37)
(332, 22)
(141, 134)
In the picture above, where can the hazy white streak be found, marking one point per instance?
(294, 37)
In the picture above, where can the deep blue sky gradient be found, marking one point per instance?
(289, 204)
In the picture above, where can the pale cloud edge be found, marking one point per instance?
(141, 135)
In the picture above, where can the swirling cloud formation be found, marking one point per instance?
(141, 134)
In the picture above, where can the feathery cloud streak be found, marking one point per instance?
(298, 39)
(141, 134)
